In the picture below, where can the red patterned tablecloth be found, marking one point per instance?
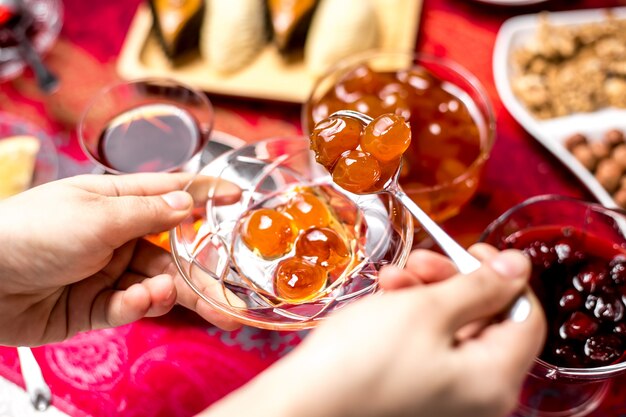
(177, 365)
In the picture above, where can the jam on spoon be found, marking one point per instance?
(387, 137)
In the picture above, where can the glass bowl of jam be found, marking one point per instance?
(294, 247)
(451, 120)
(578, 253)
(42, 29)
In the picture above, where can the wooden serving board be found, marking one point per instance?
(268, 76)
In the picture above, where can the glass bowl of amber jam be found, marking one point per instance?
(294, 247)
(578, 254)
(451, 120)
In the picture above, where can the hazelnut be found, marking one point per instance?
(575, 140)
(620, 197)
(614, 137)
(609, 174)
(585, 156)
(600, 149)
(619, 155)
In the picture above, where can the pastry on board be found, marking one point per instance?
(177, 25)
(18, 155)
(340, 28)
(290, 21)
(233, 33)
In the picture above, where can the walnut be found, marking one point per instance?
(610, 49)
(615, 90)
(617, 67)
(531, 89)
(569, 69)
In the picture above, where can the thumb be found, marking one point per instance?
(131, 217)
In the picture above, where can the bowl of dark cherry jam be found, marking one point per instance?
(578, 255)
(451, 118)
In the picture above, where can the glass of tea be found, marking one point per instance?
(578, 253)
(147, 125)
(294, 247)
(451, 119)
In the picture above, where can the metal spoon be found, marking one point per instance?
(464, 261)
(17, 26)
(38, 390)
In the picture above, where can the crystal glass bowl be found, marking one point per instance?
(205, 251)
(549, 390)
(379, 82)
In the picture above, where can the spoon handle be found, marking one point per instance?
(37, 388)
(465, 262)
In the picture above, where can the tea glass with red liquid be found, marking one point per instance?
(578, 252)
(147, 125)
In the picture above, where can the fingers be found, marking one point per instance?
(510, 346)
(126, 218)
(140, 204)
(148, 298)
(132, 184)
(483, 251)
(425, 267)
(151, 260)
(152, 184)
(430, 266)
(222, 192)
(392, 278)
(484, 293)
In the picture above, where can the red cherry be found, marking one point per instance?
(590, 302)
(609, 308)
(604, 349)
(620, 329)
(591, 278)
(618, 270)
(579, 326)
(567, 253)
(565, 355)
(541, 254)
(571, 300)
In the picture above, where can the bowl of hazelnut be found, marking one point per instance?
(602, 152)
(450, 115)
(578, 255)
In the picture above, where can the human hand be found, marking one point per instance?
(73, 259)
(415, 350)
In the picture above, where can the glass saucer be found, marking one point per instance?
(205, 253)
